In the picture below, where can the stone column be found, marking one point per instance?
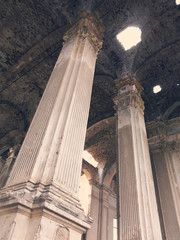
(165, 155)
(47, 170)
(138, 208)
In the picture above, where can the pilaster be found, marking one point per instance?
(164, 142)
(103, 212)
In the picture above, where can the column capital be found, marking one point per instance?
(120, 83)
(87, 27)
(159, 138)
(157, 135)
(128, 94)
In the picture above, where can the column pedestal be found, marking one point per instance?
(137, 202)
(40, 199)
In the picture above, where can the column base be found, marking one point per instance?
(33, 211)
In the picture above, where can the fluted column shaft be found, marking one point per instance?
(52, 149)
(137, 202)
(165, 154)
(40, 199)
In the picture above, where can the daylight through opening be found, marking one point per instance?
(130, 37)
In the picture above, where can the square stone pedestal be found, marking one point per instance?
(31, 212)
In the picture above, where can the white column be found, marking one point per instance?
(44, 182)
(52, 149)
(138, 208)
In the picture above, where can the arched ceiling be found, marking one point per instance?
(31, 39)
(101, 141)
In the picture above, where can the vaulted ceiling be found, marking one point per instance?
(30, 41)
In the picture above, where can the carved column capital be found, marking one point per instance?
(160, 137)
(87, 27)
(128, 94)
(157, 135)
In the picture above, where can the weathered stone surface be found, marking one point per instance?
(138, 213)
(62, 233)
(46, 174)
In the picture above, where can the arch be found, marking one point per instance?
(99, 126)
(170, 110)
(109, 175)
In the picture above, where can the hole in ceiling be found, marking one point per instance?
(156, 88)
(89, 158)
(129, 37)
(177, 2)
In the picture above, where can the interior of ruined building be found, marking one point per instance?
(31, 38)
